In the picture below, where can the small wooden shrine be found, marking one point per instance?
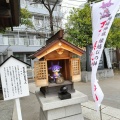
(63, 54)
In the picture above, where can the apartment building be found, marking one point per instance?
(23, 41)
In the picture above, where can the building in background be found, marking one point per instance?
(67, 6)
(23, 41)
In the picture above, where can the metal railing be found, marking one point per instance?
(22, 41)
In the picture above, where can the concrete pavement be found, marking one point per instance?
(110, 105)
(88, 108)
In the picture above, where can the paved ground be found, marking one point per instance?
(110, 107)
(110, 87)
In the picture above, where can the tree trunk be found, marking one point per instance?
(51, 24)
(117, 55)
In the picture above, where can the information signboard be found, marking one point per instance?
(14, 79)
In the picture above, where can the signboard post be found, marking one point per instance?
(17, 101)
(14, 81)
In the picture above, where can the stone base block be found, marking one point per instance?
(52, 108)
(86, 75)
(73, 112)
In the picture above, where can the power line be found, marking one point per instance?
(82, 2)
(69, 7)
(73, 5)
(78, 0)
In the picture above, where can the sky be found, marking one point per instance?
(67, 5)
(73, 3)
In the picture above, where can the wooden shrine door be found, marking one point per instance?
(41, 73)
(75, 69)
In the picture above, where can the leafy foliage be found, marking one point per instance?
(25, 17)
(113, 39)
(2, 30)
(79, 27)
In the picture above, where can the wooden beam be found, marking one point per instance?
(7, 1)
(57, 46)
(9, 13)
(5, 13)
(72, 50)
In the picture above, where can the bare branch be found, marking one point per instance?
(54, 5)
(45, 5)
(49, 5)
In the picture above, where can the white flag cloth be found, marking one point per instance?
(103, 14)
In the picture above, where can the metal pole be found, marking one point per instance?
(100, 113)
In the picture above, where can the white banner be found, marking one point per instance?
(103, 14)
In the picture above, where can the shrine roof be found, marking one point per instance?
(16, 59)
(54, 43)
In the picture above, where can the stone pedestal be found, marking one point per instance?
(106, 73)
(52, 108)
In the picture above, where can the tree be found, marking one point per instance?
(25, 17)
(79, 27)
(2, 30)
(113, 39)
(47, 4)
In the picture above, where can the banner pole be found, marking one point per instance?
(100, 113)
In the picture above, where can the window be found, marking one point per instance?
(31, 41)
(37, 41)
(42, 41)
(28, 60)
(41, 23)
(8, 40)
(19, 56)
(1, 40)
(5, 40)
(34, 41)
(38, 22)
(11, 40)
(23, 40)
